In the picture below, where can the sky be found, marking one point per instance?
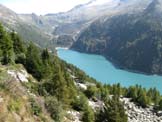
(41, 7)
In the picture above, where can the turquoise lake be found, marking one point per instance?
(102, 70)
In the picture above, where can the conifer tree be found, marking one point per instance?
(17, 43)
(19, 48)
(113, 111)
(88, 115)
(6, 46)
(54, 107)
(33, 61)
(160, 104)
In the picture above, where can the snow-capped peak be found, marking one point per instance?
(101, 2)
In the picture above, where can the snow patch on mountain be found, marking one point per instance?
(102, 2)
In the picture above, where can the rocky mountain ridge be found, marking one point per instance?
(126, 38)
(49, 27)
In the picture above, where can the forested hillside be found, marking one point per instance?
(133, 41)
(60, 89)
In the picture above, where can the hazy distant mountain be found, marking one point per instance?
(72, 22)
(8, 17)
(28, 31)
(38, 21)
(67, 24)
(133, 40)
(79, 17)
(83, 15)
(154, 10)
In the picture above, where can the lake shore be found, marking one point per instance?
(65, 48)
(117, 65)
(107, 72)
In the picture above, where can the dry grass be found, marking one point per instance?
(15, 103)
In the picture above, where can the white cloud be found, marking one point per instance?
(41, 6)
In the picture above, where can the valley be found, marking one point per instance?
(106, 72)
(100, 61)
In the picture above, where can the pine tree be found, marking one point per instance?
(88, 115)
(54, 107)
(45, 55)
(132, 93)
(156, 96)
(17, 43)
(104, 92)
(142, 98)
(91, 91)
(80, 102)
(19, 48)
(113, 111)
(34, 62)
(6, 46)
(160, 104)
(47, 68)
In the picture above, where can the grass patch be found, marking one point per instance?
(15, 67)
(14, 105)
(32, 87)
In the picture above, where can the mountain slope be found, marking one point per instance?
(133, 41)
(57, 91)
(72, 22)
(81, 16)
(17, 103)
(45, 30)
(27, 31)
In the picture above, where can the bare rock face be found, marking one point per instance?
(96, 104)
(75, 116)
(138, 114)
(19, 75)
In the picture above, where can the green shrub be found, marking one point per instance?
(2, 86)
(88, 115)
(91, 91)
(36, 109)
(54, 107)
(113, 111)
(80, 103)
